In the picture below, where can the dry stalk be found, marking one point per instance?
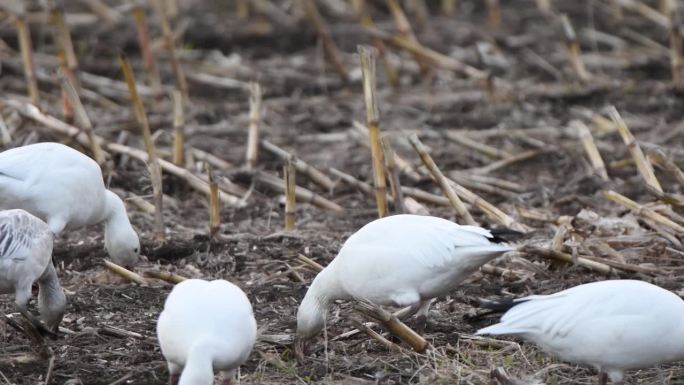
(170, 43)
(660, 159)
(27, 58)
(433, 57)
(643, 211)
(676, 58)
(565, 257)
(122, 271)
(493, 14)
(153, 164)
(676, 201)
(289, 174)
(402, 164)
(178, 129)
(331, 49)
(367, 21)
(67, 107)
(242, 9)
(315, 266)
(367, 56)
(66, 46)
(214, 207)
(405, 30)
(545, 7)
(591, 149)
(315, 175)
(363, 186)
(574, 51)
(303, 195)
(425, 196)
(82, 120)
(493, 212)
(490, 151)
(646, 11)
(666, 7)
(102, 10)
(443, 182)
(448, 7)
(644, 166)
(391, 346)
(148, 57)
(254, 122)
(564, 226)
(393, 175)
(5, 135)
(391, 322)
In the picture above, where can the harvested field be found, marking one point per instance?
(505, 111)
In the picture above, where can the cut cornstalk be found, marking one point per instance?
(367, 21)
(490, 151)
(646, 11)
(565, 257)
(666, 7)
(122, 271)
(448, 7)
(660, 159)
(564, 225)
(443, 182)
(254, 122)
(402, 164)
(289, 174)
(331, 49)
(430, 56)
(590, 147)
(395, 185)
(676, 58)
(303, 194)
(164, 276)
(170, 43)
(574, 51)
(153, 161)
(102, 10)
(148, 57)
(393, 324)
(643, 211)
(544, 7)
(66, 45)
(242, 9)
(315, 175)
(367, 55)
(82, 120)
(214, 207)
(27, 58)
(67, 107)
(493, 14)
(405, 30)
(178, 129)
(645, 168)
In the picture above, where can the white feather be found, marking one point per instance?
(205, 326)
(611, 325)
(65, 188)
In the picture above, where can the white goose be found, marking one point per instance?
(25, 258)
(612, 325)
(399, 260)
(64, 188)
(205, 326)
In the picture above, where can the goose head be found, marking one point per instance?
(121, 240)
(311, 314)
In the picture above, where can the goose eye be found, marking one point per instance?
(135, 250)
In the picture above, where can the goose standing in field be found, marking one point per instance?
(399, 260)
(65, 188)
(205, 326)
(25, 258)
(612, 325)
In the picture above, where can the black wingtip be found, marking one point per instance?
(493, 307)
(504, 235)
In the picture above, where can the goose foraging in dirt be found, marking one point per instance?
(399, 260)
(205, 326)
(64, 188)
(25, 258)
(613, 325)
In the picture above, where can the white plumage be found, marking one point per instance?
(612, 325)
(399, 260)
(25, 258)
(64, 188)
(205, 326)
